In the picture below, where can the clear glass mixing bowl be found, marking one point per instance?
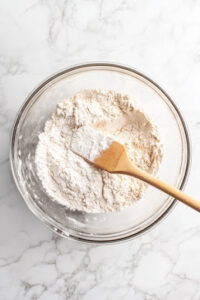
(107, 227)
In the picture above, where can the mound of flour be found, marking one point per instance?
(68, 178)
(89, 143)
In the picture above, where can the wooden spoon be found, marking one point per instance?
(113, 158)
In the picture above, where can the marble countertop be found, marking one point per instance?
(40, 37)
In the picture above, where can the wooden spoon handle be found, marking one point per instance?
(172, 191)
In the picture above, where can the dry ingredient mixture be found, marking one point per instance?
(89, 143)
(69, 179)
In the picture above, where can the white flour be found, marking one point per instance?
(89, 143)
(69, 179)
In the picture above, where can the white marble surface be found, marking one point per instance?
(161, 39)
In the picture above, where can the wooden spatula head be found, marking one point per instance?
(110, 158)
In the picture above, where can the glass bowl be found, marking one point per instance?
(105, 227)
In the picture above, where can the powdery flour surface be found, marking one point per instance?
(89, 143)
(69, 179)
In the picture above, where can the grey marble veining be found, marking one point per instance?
(159, 38)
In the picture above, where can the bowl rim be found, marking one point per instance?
(48, 222)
